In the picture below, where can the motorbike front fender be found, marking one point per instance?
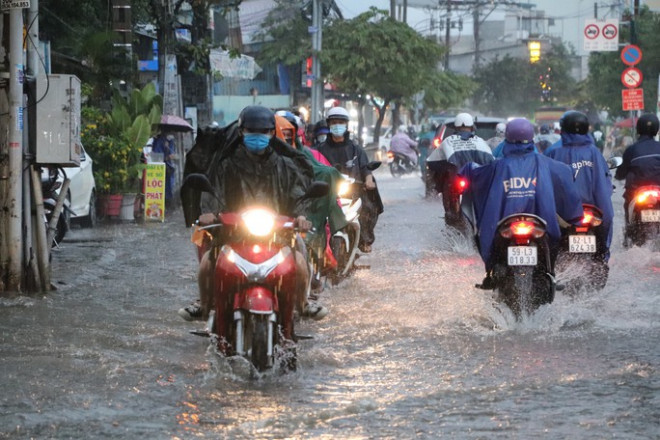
(256, 299)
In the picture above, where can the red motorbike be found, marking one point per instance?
(255, 282)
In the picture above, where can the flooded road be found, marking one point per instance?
(410, 348)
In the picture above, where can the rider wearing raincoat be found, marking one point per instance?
(590, 173)
(521, 181)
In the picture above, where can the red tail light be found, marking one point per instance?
(461, 184)
(436, 142)
(590, 218)
(649, 196)
(390, 155)
(522, 228)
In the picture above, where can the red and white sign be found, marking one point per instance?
(633, 99)
(601, 35)
(631, 77)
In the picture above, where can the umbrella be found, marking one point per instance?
(626, 123)
(174, 123)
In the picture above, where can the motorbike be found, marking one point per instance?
(579, 246)
(50, 186)
(344, 243)
(522, 270)
(452, 196)
(400, 164)
(255, 279)
(643, 216)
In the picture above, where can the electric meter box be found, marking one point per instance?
(58, 120)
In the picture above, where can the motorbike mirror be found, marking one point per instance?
(373, 165)
(199, 182)
(317, 189)
(614, 162)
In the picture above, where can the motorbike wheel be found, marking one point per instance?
(259, 344)
(340, 252)
(517, 291)
(395, 169)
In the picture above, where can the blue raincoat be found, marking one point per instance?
(521, 182)
(590, 173)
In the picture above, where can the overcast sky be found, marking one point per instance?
(569, 14)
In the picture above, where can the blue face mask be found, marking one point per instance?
(321, 138)
(256, 142)
(338, 129)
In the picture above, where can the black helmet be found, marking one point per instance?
(256, 117)
(647, 124)
(574, 122)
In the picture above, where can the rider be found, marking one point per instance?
(545, 138)
(499, 136)
(641, 160)
(321, 132)
(455, 151)
(351, 159)
(402, 144)
(590, 173)
(550, 191)
(259, 169)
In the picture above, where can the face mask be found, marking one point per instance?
(321, 138)
(256, 142)
(338, 129)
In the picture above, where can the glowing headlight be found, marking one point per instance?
(259, 222)
(343, 189)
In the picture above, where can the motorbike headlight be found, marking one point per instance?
(259, 222)
(343, 189)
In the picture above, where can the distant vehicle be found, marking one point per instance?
(82, 191)
(376, 152)
(485, 129)
(548, 115)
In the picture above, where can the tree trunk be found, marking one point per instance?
(381, 117)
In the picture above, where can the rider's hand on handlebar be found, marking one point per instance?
(370, 183)
(302, 223)
(207, 219)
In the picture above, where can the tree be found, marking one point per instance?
(603, 84)
(514, 86)
(375, 55)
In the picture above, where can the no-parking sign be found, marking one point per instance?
(600, 35)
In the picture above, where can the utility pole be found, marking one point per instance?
(405, 11)
(393, 8)
(317, 82)
(476, 25)
(15, 142)
(447, 34)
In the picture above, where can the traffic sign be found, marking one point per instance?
(631, 55)
(632, 77)
(601, 35)
(633, 99)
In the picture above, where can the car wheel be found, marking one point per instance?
(91, 219)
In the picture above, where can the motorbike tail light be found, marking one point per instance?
(461, 184)
(522, 229)
(590, 219)
(390, 155)
(436, 142)
(648, 196)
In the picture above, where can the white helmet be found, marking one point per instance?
(463, 120)
(500, 128)
(337, 113)
(402, 128)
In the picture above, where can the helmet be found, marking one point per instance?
(321, 127)
(256, 117)
(500, 128)
(545, 129)
(402, 128)
(463, 120)
(647, 124)
(289, 117)
(519, 131)
(574, 122)
(337, 113)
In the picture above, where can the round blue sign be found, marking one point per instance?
(631, 55)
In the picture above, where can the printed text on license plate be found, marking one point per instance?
(522, 255)
(582, 244)
(651, 215)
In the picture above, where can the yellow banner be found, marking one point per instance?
(154, 192)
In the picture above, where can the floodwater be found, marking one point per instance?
(410, 349)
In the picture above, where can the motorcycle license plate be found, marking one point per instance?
(650, 215)
(582, 244)
(522, 255)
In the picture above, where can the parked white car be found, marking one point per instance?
(82, 191)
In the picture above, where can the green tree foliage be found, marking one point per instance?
(373, 54)
(603, 85)
(514, 86)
